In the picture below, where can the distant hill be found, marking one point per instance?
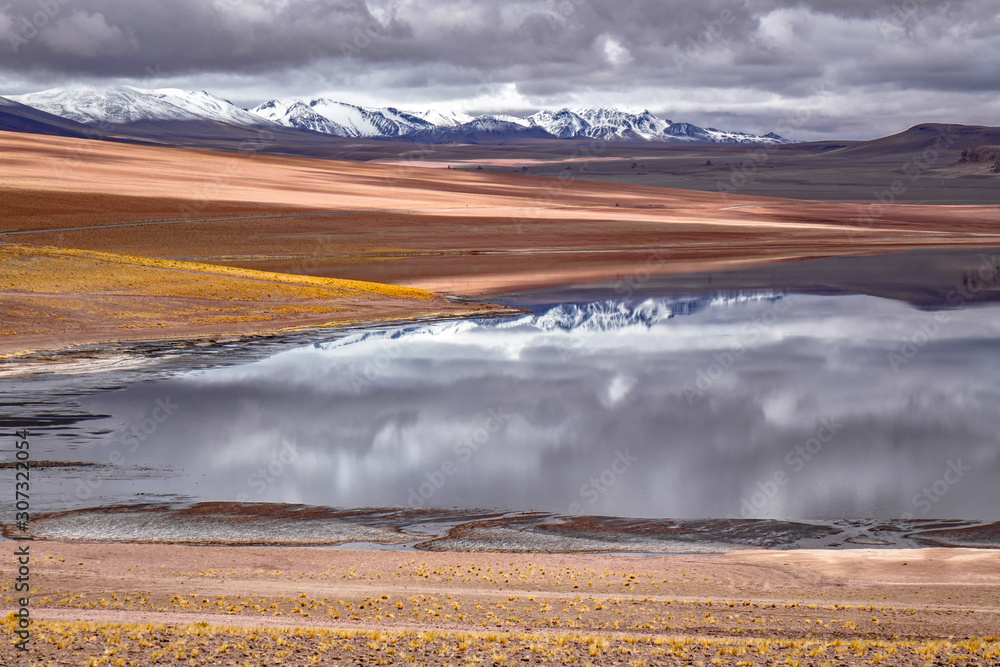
(942, 136)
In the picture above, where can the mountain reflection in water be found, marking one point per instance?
(796, 406)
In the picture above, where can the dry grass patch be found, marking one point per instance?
(200, 643)
(62, 271)
(55, 298)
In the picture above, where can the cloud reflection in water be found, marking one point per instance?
(707, 408)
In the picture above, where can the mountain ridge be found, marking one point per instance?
(128, 105)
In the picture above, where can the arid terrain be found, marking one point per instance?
(447, 231)
(930, 163)
(127, 604)
(61, 297)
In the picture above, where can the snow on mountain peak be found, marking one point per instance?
(618, 124)
(505, 118)
(348, 120)
(122, 105)
(126, 104)
(443, 118)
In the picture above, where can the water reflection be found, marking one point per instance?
(794, 406)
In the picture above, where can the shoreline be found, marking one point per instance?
(469, 304)
(467, 530)
(214, 337)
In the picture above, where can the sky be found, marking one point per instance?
(848, 69)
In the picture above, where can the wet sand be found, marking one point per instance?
(483, 531)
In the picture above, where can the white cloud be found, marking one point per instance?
(616, 54)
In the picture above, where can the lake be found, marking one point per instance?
(860, 388)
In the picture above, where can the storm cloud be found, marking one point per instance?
(848, 68)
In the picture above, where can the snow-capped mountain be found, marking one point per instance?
(17, 117)
(299, 115)
(600, 124)
(129, 106)
(602, 316)
(506, 118)
(348, 120)
(443, 118)
(614, 315)
(614, 124)
(485, 129)
(123, 105)
(691, 132)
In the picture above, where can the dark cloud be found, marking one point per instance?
(750, 61)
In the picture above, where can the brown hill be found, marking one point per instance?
(924, 137)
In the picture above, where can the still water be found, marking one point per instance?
(776, 401)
